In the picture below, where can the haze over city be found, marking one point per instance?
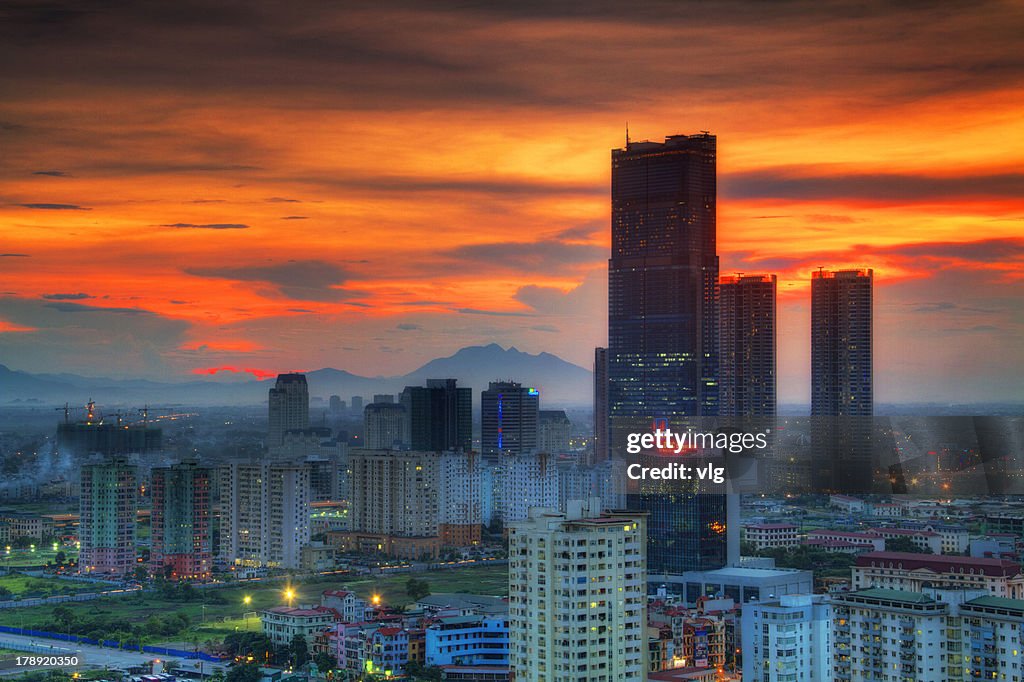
(247, 189)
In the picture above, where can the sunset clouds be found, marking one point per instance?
(227, 186)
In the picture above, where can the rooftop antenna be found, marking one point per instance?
(627, 135)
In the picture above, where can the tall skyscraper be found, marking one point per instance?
(288, 407)
(108, 504)
(662, 275)
(842, 393)
(600, 451)
(747, 346)
(577, 595)
(841, 340)
(662, 330)
(508, 418)
(181, 541)
(440, 416)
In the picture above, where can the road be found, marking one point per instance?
(94, 656)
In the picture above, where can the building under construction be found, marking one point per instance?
(114, 436)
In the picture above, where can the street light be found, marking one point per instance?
(246, 601)
(289, 594)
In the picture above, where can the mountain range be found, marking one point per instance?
(561, 383)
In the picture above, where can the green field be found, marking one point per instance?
(27, 587)
(24, 557)
(208, 611)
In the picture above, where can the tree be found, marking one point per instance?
(244, 644)
(60, 558)
(141, 573)
(245, 672)
(415, 670)
(64, 617)
(903, 545)
(298, 651)
(324, 661)
(417, 589)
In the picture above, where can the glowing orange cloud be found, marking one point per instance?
(11, 327)
(258, 373)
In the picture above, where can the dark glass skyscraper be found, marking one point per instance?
(662, 275)
(842, 383)
(747, 346)
(508, 418)
(662, 329)
(440, 416)
(600, 451)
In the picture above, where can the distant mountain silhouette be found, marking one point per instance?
(561, 383)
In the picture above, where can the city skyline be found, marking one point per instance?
(206, 217)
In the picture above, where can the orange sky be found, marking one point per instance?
(232, 185)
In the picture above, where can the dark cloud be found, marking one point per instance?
(14, 255)
(52, 173)
(495, 313)
(510, 187)
(177, 302)
(408, 326)
(283, 200)
(545, 328)
(982, 251)
(925, 257)
(79, 308)
(56, 207)
(828, 218)
(294, 217)
(976, 329)
(804, 184)
(208, 226)
(582, 300)
(582, 233)
(557, 54)
(300, 310)
(541, 256)
(950, 307)
(66, 297)
(120, 342)
(310, 280)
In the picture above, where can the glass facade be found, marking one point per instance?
(662, 327)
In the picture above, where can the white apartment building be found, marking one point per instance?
(577, 595)
(788, 639)
(459, 494)
(264, 513)
(934, 636)
(771, 535)
(525, 481)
